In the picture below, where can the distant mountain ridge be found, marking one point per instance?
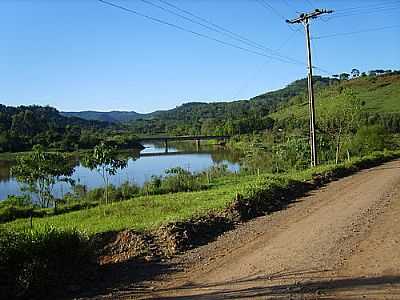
(110, 117)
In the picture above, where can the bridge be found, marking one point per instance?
(168, 153)
(197, 138)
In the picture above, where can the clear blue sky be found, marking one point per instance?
(84, 55)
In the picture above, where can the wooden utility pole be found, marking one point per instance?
(304, 19)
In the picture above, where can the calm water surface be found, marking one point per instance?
(152, 161)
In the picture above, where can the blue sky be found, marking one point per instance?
(84, 55)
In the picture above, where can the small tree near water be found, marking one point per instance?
(104, 160)
(341, 121)
(40, 171)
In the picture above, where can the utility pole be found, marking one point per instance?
(304, 18)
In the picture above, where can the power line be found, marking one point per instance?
(287, 3)
(267, 6)
(246, 83)
(216, 28)
(310, 3)
(213, 24)
(371, 6)
(157, 20)
(365, 12)
(354, 32)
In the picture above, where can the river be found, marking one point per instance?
(141, 166)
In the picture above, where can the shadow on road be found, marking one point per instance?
(263, 286)
(122, 277)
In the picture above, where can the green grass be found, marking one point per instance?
(380, 94)
(142, 213)
(149, 212)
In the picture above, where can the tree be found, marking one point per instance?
(344, 76)
(369, 139)
(355, 73)
(341, 120)
(40, 171)
(104, 160)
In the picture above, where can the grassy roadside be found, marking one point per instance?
(141, 213)
(149, 212)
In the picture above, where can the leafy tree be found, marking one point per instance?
(369, 139)
(104, 159)
(40, 171)
(344, 76)
(293, 153)
(341, 120)
(355, 73)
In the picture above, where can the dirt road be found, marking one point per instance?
(339, 242)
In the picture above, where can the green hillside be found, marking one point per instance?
(379, 94)
(235, 117)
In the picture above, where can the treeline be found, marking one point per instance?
(23, 127)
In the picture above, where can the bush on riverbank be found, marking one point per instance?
(176, 180)
(33, 263)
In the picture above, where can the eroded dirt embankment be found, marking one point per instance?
(339, 242)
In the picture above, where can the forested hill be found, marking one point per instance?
(111, 117)
(224, 117)
(24, 126)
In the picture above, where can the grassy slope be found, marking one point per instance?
(145, 213)
(381, 94)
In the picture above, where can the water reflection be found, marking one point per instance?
(5, 167)
(141, 166)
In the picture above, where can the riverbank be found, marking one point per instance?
(145, 213)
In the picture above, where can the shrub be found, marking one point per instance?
(153, 186)
(15, 207)
(20, 201)
(126, 191)
(369, 139)
(32, 263)
(180, 180)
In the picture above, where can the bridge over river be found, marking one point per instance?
(196, 138)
